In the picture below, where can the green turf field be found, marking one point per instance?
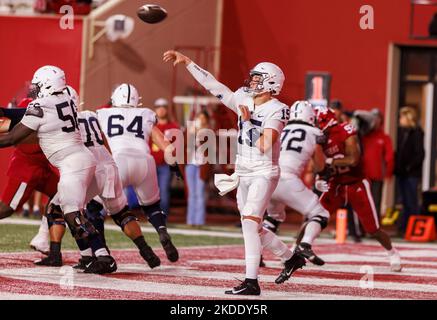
(17, 237)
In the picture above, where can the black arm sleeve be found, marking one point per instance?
(15, 115)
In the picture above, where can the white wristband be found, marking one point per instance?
(329, 161)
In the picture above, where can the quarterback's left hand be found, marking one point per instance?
(245, 113)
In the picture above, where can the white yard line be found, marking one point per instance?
(19, 296)
(52, 276)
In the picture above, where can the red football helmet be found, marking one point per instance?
(325, 117)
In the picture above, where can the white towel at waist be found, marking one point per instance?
(226, 183)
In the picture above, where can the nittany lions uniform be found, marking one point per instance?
(298, 144)
(128, 131)
(107, 183)
(55, 120)
(258, 172)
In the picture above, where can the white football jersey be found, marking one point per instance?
(55, 120)
(271, 115)
(127, 128)
(92, 136)
(298, 143)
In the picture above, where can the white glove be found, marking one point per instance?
(322, 186)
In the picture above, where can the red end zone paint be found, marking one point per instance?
(204, 273)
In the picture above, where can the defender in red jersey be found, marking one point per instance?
(345, 182)
(28, 171)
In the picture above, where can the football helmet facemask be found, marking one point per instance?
(265, 77)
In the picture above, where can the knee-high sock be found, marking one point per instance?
(271, 242)
(312, 231)
(252, 245)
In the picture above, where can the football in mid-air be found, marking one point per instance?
(151, 13)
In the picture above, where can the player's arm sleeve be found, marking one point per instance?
(15, 115)
(31, 121)
(219, 90)
(275, 124)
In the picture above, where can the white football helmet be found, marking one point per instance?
(48, 80)
(272, 79)
(73, 94)
(303, 111)
(125, 96)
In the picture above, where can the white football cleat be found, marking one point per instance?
(41, 243)
(395, 262)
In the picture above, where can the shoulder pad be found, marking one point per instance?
(34, 109)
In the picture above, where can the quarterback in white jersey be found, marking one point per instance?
(261, 118)
(299, 145)
(53, 116)
(128, 130)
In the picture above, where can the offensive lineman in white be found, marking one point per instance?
(261, 120)
(300, 142)
(109, 189)
(53, 117)
(128, 130)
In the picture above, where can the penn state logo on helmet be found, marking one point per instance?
(265, 77)
(303, 111)
(125, 96)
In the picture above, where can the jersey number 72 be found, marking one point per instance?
(297, 136)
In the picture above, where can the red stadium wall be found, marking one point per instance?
(26, 44)
(317, 35)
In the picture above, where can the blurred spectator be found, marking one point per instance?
(163, 170)
(410, 154)
(197, 173)
(378, 158)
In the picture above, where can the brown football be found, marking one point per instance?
(152, 13)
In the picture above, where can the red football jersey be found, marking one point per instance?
(335, 148)
(157, 154)
(27, 149)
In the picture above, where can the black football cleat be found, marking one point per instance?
(102, 265)
(169, 248)
(290, 266)
(305, 250)
(50, 261)
(150, 257)
(246, 288)
(84, 262)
